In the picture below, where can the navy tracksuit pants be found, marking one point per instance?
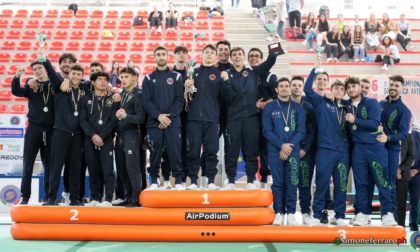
(306, 173)
(36, 139)
(371, 160)
(393, 163)
(171, 138)
(205, 133)
(331, 162)
(285, 174)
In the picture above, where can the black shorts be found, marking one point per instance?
(294, 18)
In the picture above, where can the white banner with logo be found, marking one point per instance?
(10, 192)
(12, 131)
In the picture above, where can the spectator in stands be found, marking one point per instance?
(281, 17)
(115, 73)
(172, 18)
(333, 44)
(346, 43)
(322, 28)
(372, 28)
(235, 3)
(295, 7)
(308, 29)
(155, 19)
(357, 42)
(388, 27)
(414, 185)
(403, 36)
(130, 63)
(391, 53)
(340, 22)
(355, 22)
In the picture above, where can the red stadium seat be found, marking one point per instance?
(125, 24)
(138, 35)
(86, 57)
(186, 25)
(6, 13)
(19, 109)
(112, 14)
(26, 45)
(154, 36)
(170, 46)
(17, 24)
(29, 34)
(97, 14)
(66, 14)
(37, 14)
(124, 35)
(151, 46)
(108, 35)
(57, 45)
(137, 46)
(86, 70)
(76, 35)
(5, 57)
(199, 46)
(150, 58)
(103, 57)
(127, 14)
(204, 37)
(4, 23)
(2, 34)
(187, 13)
(171, 59)
(187, 45)
(63, 24)
(202, 14)
(7, 83)
(61, 34)
(171, 35)
(33, 23)
(217, 36)
(48, 24)
(94, 24)
(110, 24)
(4, 109)
(218, 25)
(8, 45)
(2, 69)
(47, 32)
(22, 13)
(202, 25)
(137, 58)
(89, 46)
(119, 57)
(187, 36)
(79, 24)
(82, 14)
(51, 14)
(16, 98)
(73, 46)
(121, 46)
(6, 95)
(199, 58)
(13, 69)
(148, 69)
(20, 57)
(105, 46)
(53, 57)
(28, 69)
(143, 13)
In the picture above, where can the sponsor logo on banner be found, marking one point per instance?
(10, 195)
(14, 120)
(207, 216)
(13, 147)
(11, 157)
(1, 147)
(11, 132)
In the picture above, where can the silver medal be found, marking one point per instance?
(76, 113)
(45, 109)
(286, 128)
(100, 122)
(354, 127)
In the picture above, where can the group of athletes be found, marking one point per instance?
(77, 123)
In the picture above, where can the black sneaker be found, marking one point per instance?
(24, 201)
(124, 203)
(133, 204)
(51, 202)
(76, 203)
(324, 217)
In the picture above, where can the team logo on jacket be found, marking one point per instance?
(109, 102)
(212, 77)
(245, 73)
(170, 81)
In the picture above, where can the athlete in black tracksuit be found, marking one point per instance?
(67, 139)
(97, 118)
(38, 132)
(202, 122)
(163, 93)
(241, 95)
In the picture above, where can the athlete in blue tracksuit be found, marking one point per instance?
(332, 157)
(395, 119)
(369, 157)
(284, 128)
(414, 184)
(163, 100)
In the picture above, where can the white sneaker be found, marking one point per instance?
(159, 29)
(256, 184)
(278, 220)
(153, 187)
(66, 197)
(226, 182)
(291, 220)
(93, 203)
(360, 220)
(250, 186)
(212, 186)
(341, 222)
(105, 204)
(385, 68)
(352, 220)
(304, 42)
(306, 219)
(329, 60)
(204, 183)
(356, 60)
(117, 201)
(167, 184)
(388, 220)
(179, 187)
(333, 221)
(229, 186)
(315, 222)
(262, 185)
(184, 184)
(354, 217)
(191, 187)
